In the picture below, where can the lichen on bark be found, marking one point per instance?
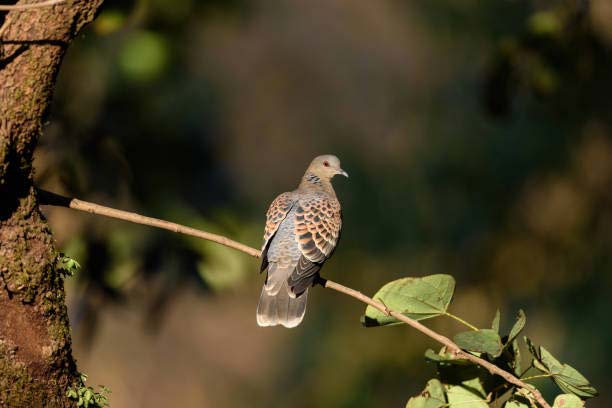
(36, 363)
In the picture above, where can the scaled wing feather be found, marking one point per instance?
(318, 221)
(277, 212)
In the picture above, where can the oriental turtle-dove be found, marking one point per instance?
(302, 230)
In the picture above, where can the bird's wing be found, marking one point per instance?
(318, 221)
(277, 212)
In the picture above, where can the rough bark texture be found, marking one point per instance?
(36, 363)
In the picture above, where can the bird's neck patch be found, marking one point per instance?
(311, 178)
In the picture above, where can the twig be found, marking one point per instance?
(13, 7)
(48, 198)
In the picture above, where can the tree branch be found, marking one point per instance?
(48, 198)
(12, 7)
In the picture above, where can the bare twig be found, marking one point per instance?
(48, 198)
(29, 6)
(57, 200)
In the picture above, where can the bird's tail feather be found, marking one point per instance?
(281, 307)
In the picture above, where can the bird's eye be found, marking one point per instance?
(326, 163)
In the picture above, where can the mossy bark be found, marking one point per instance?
(36, 363)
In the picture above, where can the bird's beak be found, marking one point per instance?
(343, 173)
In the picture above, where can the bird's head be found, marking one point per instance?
(326, 167)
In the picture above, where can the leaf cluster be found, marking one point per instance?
(87, 397)
(461, 382)
(66, 265)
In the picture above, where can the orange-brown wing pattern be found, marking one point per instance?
(277, 212)
(318, 221)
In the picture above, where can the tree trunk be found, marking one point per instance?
(36, 363)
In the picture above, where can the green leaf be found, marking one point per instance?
(521, 319)
(550, 362)
(88, 395)
(445, 357)
(462, 397)
(495, 323)
(568, 401)
(516, 404)
(424, 402)
(68, 265)
(432, 397)
(518, 401)
(481, 341)
(536, 355)
(565, 376)
(442, 356)
(516, 360)
(436, 389)
(570, 380)
(416, 298)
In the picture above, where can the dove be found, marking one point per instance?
(302, 231)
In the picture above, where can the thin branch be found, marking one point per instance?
(48, 198)
(30, 6)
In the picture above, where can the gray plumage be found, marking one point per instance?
(302, 230)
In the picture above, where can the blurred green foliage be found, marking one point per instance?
(478, 136)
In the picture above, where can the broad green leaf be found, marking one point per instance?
(551, 363)
(474, 384)
(495, 323)
(432, 397)
(518, 400)
(416, 298)
(565, 376)
(516, 404)
(437, 357)
(463, 397)
(570, 380)
(482, 341)
(518, 326)
(568, 401)
(444, 357)
(436, 389)
(536, 355)
(424, 402)
(538, 364)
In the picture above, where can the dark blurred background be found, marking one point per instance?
(478, 137)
